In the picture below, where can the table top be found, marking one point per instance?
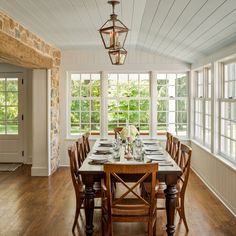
(170, 168)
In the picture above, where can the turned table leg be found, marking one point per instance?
(89, 209)
(170, 208)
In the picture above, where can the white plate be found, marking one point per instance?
(103, 149)
(149, 142)
(99, 157)
(157, 157)
(157, 152)
(151, 148)
(105, 142)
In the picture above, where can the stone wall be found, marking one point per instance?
(13, 29)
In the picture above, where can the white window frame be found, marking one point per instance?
(203, 98)
(169, 99)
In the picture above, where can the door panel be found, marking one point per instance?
(11, 123)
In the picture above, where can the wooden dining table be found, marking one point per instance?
(92, 173)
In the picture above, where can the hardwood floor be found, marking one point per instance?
(45, 206)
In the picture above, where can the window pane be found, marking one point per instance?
(95, 117)
(144, 105)
(134, 105)
(85, 105)
(124, 105)
(75, 105)
(133, 117)
(2, 128)
(2, 84)
(12, 128)
(12, 113)
(2, 113)
(85, 117)
(12, 98)
(95, 105)
(12, 84)
(75, 118)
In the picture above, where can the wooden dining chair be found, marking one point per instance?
(117, 131)
(75, 153)
(183, 161)
(169, 137)
(77, 182)
(175, 148)
(132, 208)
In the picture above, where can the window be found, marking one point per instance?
(227, 114)
(172, 103)
(128, 100)
(84, 103)
(9, 122)
(100, 103)
(202, 107)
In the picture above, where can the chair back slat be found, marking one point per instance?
(85, 137)
(74, 167)
(80, 151)
(169, 137)
(117, 131)
(175, 149)
(184, 164)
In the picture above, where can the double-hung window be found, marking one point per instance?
(202, 107)
(84, 103)
(172, 103)
(227, 113)
(128, 100)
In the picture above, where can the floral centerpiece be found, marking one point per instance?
(129, 132)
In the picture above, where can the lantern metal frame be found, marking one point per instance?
(117, 53)
(116, 27)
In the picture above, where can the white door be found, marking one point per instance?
(11, 117)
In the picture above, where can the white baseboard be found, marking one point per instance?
(216, 194)
(39, 171)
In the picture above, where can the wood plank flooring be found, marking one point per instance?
(45, 206)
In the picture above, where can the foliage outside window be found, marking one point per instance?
(227, 114)
(84, 103)
(202, 107)
(9, 106)
(172, 103)
(128, 100)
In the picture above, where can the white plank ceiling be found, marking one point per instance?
(183, 29)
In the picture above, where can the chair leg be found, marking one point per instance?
(150, 228)
(78, 206)
(183, 214)
(155, 228)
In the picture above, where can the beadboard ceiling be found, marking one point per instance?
(183, 29)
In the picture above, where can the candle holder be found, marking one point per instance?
(129, 154)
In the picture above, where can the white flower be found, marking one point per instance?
(133, 132)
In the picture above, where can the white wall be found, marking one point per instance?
(96, 60)
(216, 174)
(214, 171)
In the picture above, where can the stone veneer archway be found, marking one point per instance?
(21, 47)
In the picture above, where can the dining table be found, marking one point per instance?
(92, 171)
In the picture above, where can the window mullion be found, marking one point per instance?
(104, 105)
(153, 105)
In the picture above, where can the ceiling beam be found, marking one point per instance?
(15, 52)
